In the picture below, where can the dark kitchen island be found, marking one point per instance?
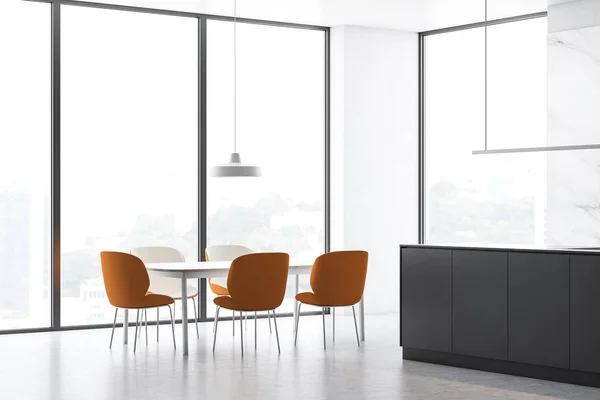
(521, 311)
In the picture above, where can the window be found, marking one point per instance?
(486, 198)
(129, 145)
(25, 138)
(517, 80)
(281, 120)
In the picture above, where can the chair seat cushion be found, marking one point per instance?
(228, 303)
(153, 300)
(311, 299)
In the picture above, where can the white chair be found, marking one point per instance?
(166, 286)
(225, 252)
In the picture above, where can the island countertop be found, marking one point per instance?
(506, 247)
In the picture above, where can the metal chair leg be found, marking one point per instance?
(173, 323)
(242, 332)
(157, 322)
(269, 317)
(255, 330)
(196, 316)
(137, 320)
(276, 332)
(297, 323)
(333, 315)
(141, 323)
(324, 337)
(233, 323)
(113, 329)
(146, 318)
(355, 326)
(216, 327)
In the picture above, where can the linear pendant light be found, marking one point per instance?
(235, 167)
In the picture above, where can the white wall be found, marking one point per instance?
(573, 119)
(374, 152)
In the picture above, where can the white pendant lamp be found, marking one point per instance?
(235, 168)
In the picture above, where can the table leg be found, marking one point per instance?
(184, 313)
(125, 325)
(362, 318)
(297, 288)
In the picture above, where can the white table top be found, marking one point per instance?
(206, 269)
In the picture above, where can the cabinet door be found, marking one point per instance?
(538, 309)
(426, 298)
(585, 313)
(480, 303)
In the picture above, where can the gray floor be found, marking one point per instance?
(78, 365)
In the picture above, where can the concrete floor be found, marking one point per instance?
(78, 365)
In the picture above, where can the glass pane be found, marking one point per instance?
(455, 97)
(517, 107)
(129, 145)
(281, 129)
(496, 199)
(485, 198)
(25, 138)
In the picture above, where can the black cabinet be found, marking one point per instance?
(585, 313)
(527, 312)
(480, 303)
(426, 299)
(538, 309)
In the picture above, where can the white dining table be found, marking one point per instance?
(217, 269)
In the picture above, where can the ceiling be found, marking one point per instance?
(408, 15)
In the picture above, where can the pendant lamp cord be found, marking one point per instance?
(486, 76)
(235, 76)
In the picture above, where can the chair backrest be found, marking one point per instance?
(125, 279)
(338, 278)
(226, 252)
(158, 254)
(258, 281)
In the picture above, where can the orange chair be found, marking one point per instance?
(337, 280)
(126, 282)
(226, 252)
(256, 282)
